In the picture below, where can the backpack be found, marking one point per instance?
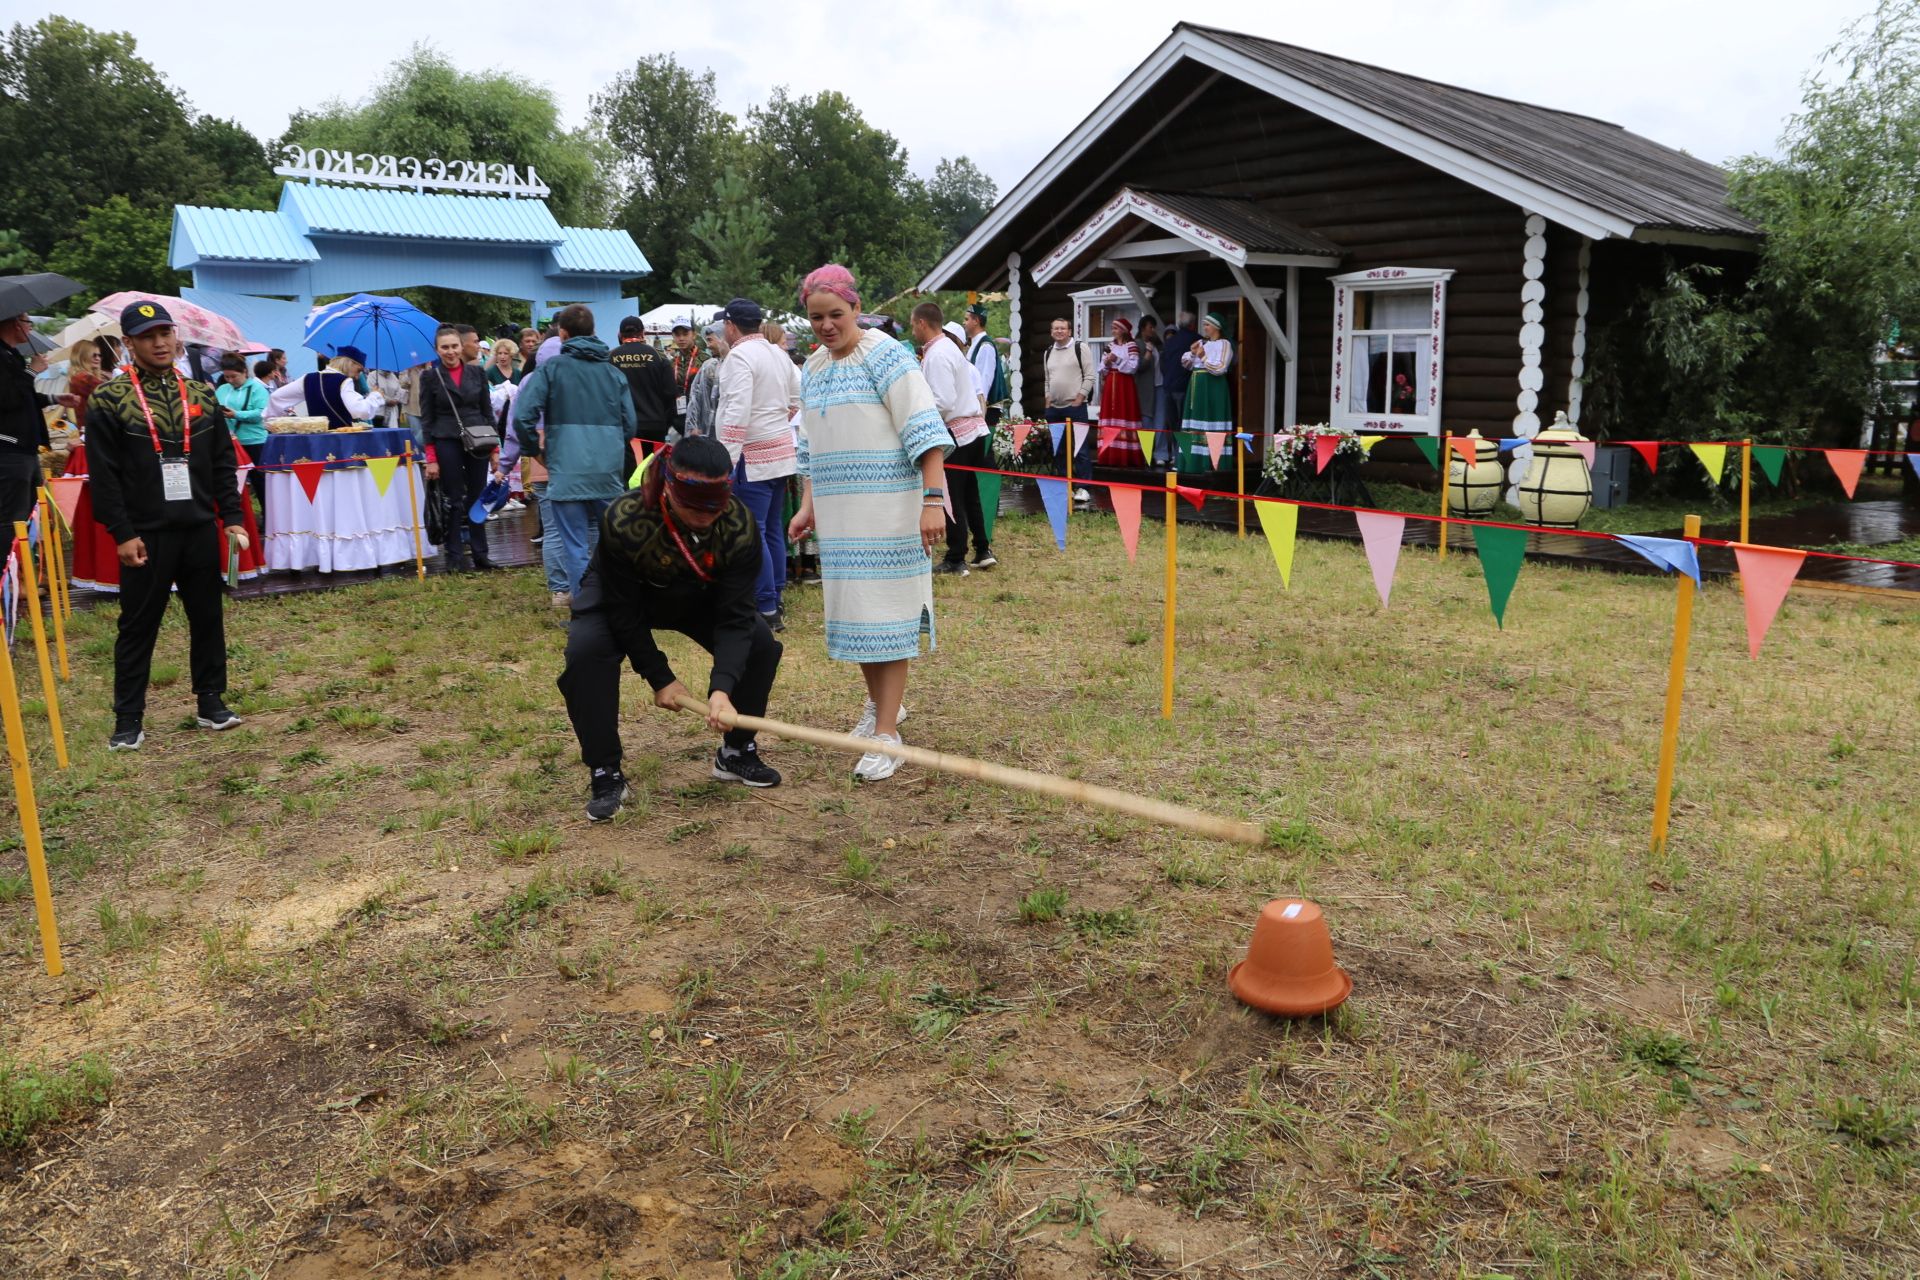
(999, 392)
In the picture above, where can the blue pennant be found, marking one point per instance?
(1053, 493)
(1668, 553)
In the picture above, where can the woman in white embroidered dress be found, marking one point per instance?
(872, 462)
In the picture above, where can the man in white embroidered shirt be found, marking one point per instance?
(759, 392)
(956, 393)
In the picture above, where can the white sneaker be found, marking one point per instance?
(875, 766)
(1081, 495)
(870, 717)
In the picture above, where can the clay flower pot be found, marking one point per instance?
(1289, 969)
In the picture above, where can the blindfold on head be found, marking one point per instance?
(700, 493)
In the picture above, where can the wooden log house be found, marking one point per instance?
(1374, 229)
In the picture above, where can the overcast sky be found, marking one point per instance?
(1003, 81)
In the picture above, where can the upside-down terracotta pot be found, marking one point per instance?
(1289, 969)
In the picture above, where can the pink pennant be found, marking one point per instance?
(1108, 435)
(1765, 575)
(1079, 436)
(1198, 497)
(1021, 430)
(1126, 510)
(240, 475)
(66, 495)
(1846, 464)
(308, 472)
(1586, 449)
(1216, 441)
(1649, 451)
(1381, 532)
(1324, 447)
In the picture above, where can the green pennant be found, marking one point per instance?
(1770, 456)
(989, 501)
(1430, 447)
(1501, 553)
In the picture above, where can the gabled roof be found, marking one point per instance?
(1593, 177)
(1230, 228)
(1240, 220)
(235, 235)
(600, 251)
(363, 211)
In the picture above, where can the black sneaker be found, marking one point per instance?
(127, 736)
(610, 791)
(214, 715)
(776, 620)
(744, 765)
(951, 566)
(985, 560)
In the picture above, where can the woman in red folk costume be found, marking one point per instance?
(1120, 401)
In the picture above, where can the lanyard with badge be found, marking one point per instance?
(175, 483)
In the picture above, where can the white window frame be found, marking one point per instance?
(1346, 289)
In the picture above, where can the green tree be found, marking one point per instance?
(119, 245)
(426, 106)
(732, 240)
(14, 256)
(959, 196)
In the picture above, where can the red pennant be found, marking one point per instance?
(1198, 497)
(1021, 430)
(1846, 464)
(1648, 450)
(1324, 447)
(1107, 437)
(1126, 509)
(1765, 575)
(308, 472)
(66, 495)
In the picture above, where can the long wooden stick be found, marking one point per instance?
(1126, 802)
(1676, 689)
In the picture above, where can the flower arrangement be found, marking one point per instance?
(1292, 460)
(1034, 454)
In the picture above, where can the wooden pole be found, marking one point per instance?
(1240, 382)
(1167, 619)
(50, 569)
(31, 590)
(1676, 685)
(29, 814)
(1126, 802)
(1446, 470)
(413, 513)
(1239, 480)
(60, 559)
(1746, 485)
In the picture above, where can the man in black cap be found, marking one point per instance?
(23, 425)
(687, 360)
(649, 377)
(682, 554)
(164, 479)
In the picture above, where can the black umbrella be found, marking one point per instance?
(34, 292)
(37, 344)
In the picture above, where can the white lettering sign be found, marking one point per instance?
(473, 176)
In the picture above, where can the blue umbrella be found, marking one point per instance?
(391, 333)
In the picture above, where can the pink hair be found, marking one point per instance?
(834, 279)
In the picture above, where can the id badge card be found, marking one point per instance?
(174, 482)
(680, 405)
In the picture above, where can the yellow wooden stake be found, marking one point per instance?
(1676, 685)
(30, 589)
(1746, 486)
(29, 814)
(1166, 623)
(50, 567)
(413, 511)
(1446, 467)
(1239, 480)
(60, 560)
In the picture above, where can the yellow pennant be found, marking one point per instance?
(1146, 444)
(1713, 457)
(381, 469)
(1367, 443)
(1280, 520)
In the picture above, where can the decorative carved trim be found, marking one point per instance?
(1533, 334)
(1130, 202)
(1382, 278)
(1576, 380)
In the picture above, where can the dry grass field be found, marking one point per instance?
(355, 990)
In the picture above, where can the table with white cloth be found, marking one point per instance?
(348, 524)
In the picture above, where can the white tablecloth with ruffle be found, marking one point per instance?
(348, 525)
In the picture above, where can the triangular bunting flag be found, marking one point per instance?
(1770, 456)
(1914, 459)
(1281, 521)
(1713, 457)
(308, 473)
(1054, 431)
(240, 475)
(381, 469)
(1079, 435)
(1367, 443)
(639, 450)
(1430, 447)
(1246, 441)
(1513, 442)
(1846, 464)
(66, 495)
(1671, 554)
(1216, 441)
(1053, 496)
(1381, 532)
(639, 476)
(1194, 495)
(1108, 435)
(989, 502)
(1649, 451)
(1126, 510)
(1765, 575)
(1502, 551)
(1324, 447)
(1468, 449)
(1146, 444)
(1586, 449)
(1021, 430)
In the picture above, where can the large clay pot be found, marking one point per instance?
(1557, 490)
(1472, 490)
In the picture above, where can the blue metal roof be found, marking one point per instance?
(360, 211)
(236, 235)
(599, 251)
